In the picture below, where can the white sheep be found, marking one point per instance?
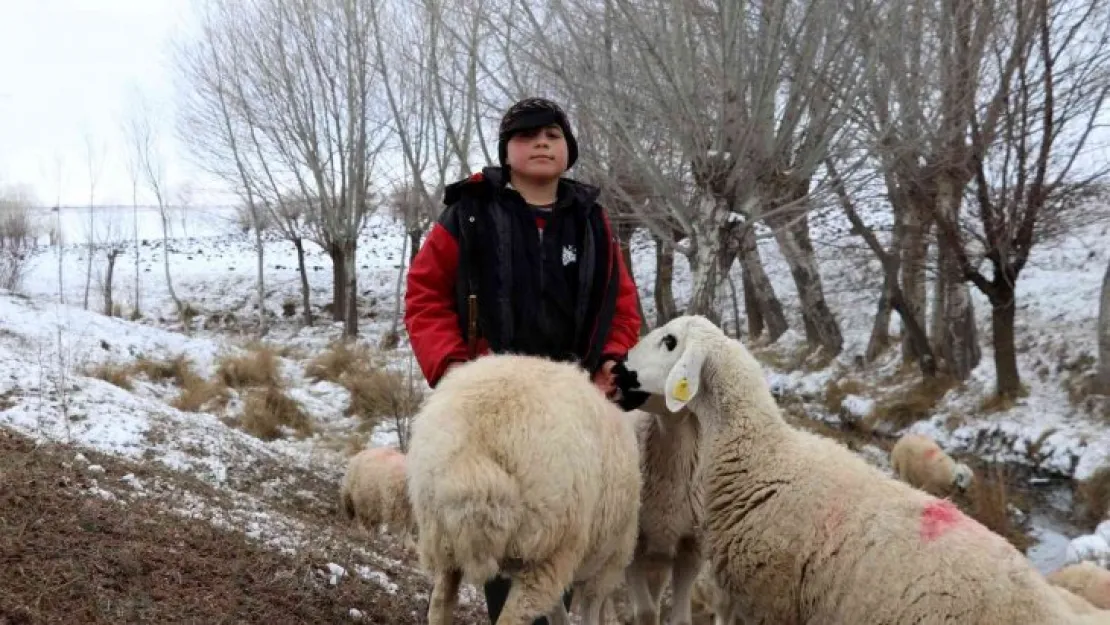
(519, 465)
(1087, 580)
(917, 460)
(800, 530)
(670, 515)
(373, 491)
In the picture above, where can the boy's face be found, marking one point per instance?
(539, 152)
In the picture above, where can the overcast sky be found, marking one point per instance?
(68, 69)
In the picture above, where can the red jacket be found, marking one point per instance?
(432, 296)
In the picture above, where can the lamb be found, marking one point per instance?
(373, 491)
(519, 465)
(800, 530)
(670, 515)
(921, 463)
(1086, 579)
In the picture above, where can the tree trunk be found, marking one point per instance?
(959, 342)
(822, 328)
(166, 267)
(761, 290)
(914, 253)
(339, 282)
(306, 303)
(751, 305)
(1003, 307)
(392, 338)
(625, 231)
(1103, 380)
(880, 331)
(350, 325)
(109, 273)
(414, 243)
(135, 232)
(735, 303)
(263, 323)
(665, 307)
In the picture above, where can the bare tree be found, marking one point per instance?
(94, 156)
(134, 171)
(304, 95)
(152, 167)
(1025, 144)
(17, 237)
(1102, 379)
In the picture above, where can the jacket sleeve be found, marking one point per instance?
(430, 315)
(624, 332)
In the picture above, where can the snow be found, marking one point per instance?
(46, 347)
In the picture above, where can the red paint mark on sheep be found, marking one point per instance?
(931, 453)
(938, 517)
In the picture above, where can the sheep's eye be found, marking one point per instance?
(670, 341)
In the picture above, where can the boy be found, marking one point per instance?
(522, 260)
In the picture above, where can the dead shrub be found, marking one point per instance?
(178, 368)
(258, 367)
(378, 393)
(340, 358)
(905, 408)
(989, 500)
(837, 390)
(1093, 497)
(198, 394)
(17, 238)
(112, 373)
(269, 411)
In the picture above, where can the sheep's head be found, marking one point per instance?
(962, 476)
(668, 360)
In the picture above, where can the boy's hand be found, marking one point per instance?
(605, 380)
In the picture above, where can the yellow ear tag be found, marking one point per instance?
(681, 390)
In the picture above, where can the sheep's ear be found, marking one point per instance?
(684, 378)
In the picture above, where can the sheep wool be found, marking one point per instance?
(800, 530)
(921, 463)
(670, 515)
(519, 465)
(1086, 579)
(373, 491)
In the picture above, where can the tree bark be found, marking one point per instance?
(339, 282)
(306, 303)
(260, 249)
(109, 273)
(913, 253)
(350, 325)
(822, 329)
(880, 331)
(1003, 308)
(414, 244)
(759, 290)
(959, 340)
(1103, 380)
(625, 231)
(665, 306)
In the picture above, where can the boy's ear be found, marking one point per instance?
(684, 378)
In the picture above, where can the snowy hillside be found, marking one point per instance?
(70, 376)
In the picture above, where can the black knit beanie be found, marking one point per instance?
(532, 113)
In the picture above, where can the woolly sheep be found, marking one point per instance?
(520, 465)
(921, 463)
(800, 530)
(373, 491)
(1086, 579)
(670, 515)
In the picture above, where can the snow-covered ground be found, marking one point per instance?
(45, 345)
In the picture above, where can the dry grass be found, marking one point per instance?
(837, 390)
(1093, 498)
(379, 393)
(198, 394)
(112, 373)
(989, 500)
(258, 367)
(178, 368)
(269, 412)
(339, 359)
(995, 403)
(904, 408)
